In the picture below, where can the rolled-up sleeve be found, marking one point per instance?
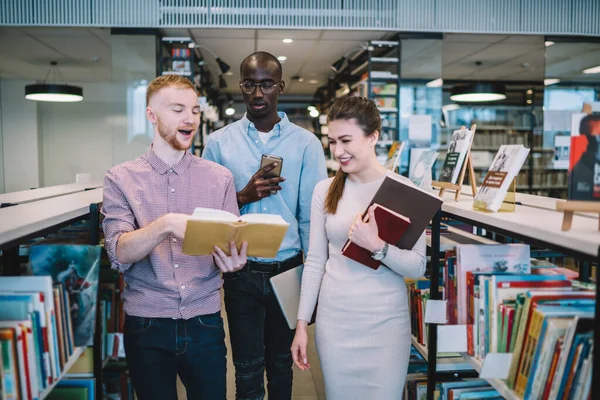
(118, 218)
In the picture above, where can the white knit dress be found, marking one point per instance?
(362, 331)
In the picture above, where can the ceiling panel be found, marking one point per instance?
(360, 36)
(295, 34)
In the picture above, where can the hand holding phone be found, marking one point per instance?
(264, 182)
(276, 163)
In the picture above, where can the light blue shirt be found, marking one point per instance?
(238, 147)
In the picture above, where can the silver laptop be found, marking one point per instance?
(286, 287)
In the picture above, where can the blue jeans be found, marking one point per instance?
(159, 349)
(260, 336)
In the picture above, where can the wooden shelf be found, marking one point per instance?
(27, 196)
(420, 348)
(74, 357)
(444, 364)
(538, 224)
(26, 219)
(497, 384)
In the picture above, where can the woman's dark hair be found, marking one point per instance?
(366, 115)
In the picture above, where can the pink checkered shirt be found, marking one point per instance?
(167, 283)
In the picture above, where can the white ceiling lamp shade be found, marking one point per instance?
(548, 82)
(53, 92)
(287, 41)
(478, 92)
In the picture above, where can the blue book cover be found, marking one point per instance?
(487, 395)
(77, 267)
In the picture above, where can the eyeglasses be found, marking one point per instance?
(265, 87)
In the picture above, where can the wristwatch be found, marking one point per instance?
(380, 254)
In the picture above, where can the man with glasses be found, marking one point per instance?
(260, 336)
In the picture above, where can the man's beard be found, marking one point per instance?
(171, 137)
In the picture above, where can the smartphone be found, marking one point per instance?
(268, 159)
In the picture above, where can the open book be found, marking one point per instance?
(208, 227)
(391, 226)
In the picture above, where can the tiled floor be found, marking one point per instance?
(307, 385)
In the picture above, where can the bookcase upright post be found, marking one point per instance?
(434, 294)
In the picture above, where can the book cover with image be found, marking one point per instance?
(77, 268)
(457, 152)
(584, 159)
(505, 167)
(422, 169)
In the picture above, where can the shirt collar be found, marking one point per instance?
(278, 128)
(161, 167)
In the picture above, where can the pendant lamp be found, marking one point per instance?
(477, 92)
(53, 92)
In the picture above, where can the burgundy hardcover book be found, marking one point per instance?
(391, 226)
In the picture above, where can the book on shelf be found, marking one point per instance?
(505, 167)
(421, 172)
(393, 158)
(207, 228)
(584, 159)
(77, 268)
(391, 227)
(456, 155)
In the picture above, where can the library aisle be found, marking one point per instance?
(307, 385)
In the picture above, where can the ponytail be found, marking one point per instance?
(335, 192)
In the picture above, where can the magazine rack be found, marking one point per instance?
(467, 165)
(571, 206)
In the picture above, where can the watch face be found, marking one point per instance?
(378, 255)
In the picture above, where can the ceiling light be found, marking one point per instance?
(53, 92)
(287, 41)
(548, 43)
(435, 83)
(529, 101)
(478, 92)
(548, 82)
(529, 91)
(594, 70)
(314, 113)
(282, 58)
(313, 81)
(230, 111)
(223, 66)
(310, 108)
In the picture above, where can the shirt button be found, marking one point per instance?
(172, 190)
(174, 240)
(265, 209)
(176, 266)
(256, 141)
(182, 308)
(182, 287)
(171, 171)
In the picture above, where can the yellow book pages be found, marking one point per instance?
(264, 239)
(533, 334)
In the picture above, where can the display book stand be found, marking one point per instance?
(524, 233)
(570, 207)
(11, 261)
(467, 165)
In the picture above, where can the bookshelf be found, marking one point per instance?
(78, 351)
(533, 222)
(27, 196)
(23, 222)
